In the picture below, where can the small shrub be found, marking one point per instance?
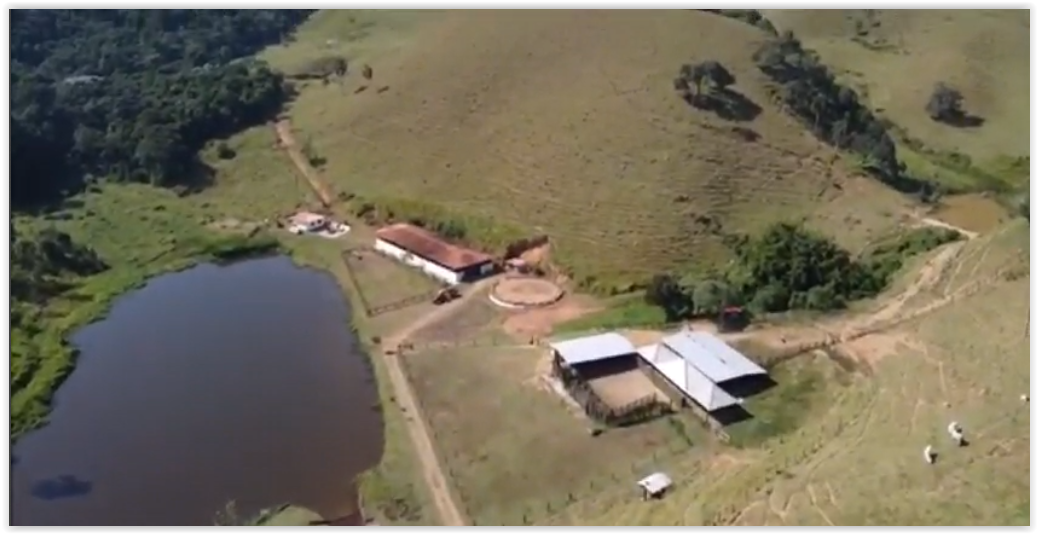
(225, 152)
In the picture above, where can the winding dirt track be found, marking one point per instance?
(288, 142)
(432, 472)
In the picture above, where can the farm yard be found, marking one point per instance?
(836, 441)
(516, 452)
(621, 387)
(476, 323)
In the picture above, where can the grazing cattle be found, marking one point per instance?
(367, 72)
(929, 455)
(956, 433)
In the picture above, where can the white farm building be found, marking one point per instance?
(705, 369)
(428, 252)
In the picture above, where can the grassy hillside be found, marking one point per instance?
(895, 57)
(561, 122)
(856, 459)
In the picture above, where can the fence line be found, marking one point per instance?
(405, 302)
(346, 254)
(381, 309)
(463, 342)
(435, 440)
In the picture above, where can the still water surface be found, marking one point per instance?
(219, 383)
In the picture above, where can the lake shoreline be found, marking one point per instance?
(107, 289)
(91, 302)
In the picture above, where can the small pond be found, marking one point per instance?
(240, 382)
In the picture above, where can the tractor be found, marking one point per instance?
(733, 319)
(446, 295)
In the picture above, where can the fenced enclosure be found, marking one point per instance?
(373, 274)
(595, 407)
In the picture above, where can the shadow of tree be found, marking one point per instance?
(964, 120)
(727, 104)
(61, 487)
(199, 176)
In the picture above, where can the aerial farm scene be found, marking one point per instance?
(519, 267)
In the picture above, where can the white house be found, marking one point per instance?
(306, 222)
(435, 257)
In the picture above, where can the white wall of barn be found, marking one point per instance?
(436, 271)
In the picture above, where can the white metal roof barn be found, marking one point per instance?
(592, 348)
(696, 363)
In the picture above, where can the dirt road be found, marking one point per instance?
(288, 141)
(930, 221)
(450, 515)
(432, 472)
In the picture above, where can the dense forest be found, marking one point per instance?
(133, 94)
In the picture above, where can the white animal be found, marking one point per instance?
(955, 431)
(928, 454)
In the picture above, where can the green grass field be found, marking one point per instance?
(895, 57)
(578, 137)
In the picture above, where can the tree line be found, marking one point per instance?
(788, 267)
(133, 94)
(832, 112)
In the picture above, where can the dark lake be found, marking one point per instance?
(219, 383)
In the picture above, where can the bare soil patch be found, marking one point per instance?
(974, 213)
(620, 389)
(539, 322)
(872, 349)
(538, 256)
(475, 321)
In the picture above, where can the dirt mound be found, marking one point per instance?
(567, 122)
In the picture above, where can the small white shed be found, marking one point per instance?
(654, 485)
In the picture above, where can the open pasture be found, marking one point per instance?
(564, 123)
(894, 58)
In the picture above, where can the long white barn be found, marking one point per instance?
(432, 255)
